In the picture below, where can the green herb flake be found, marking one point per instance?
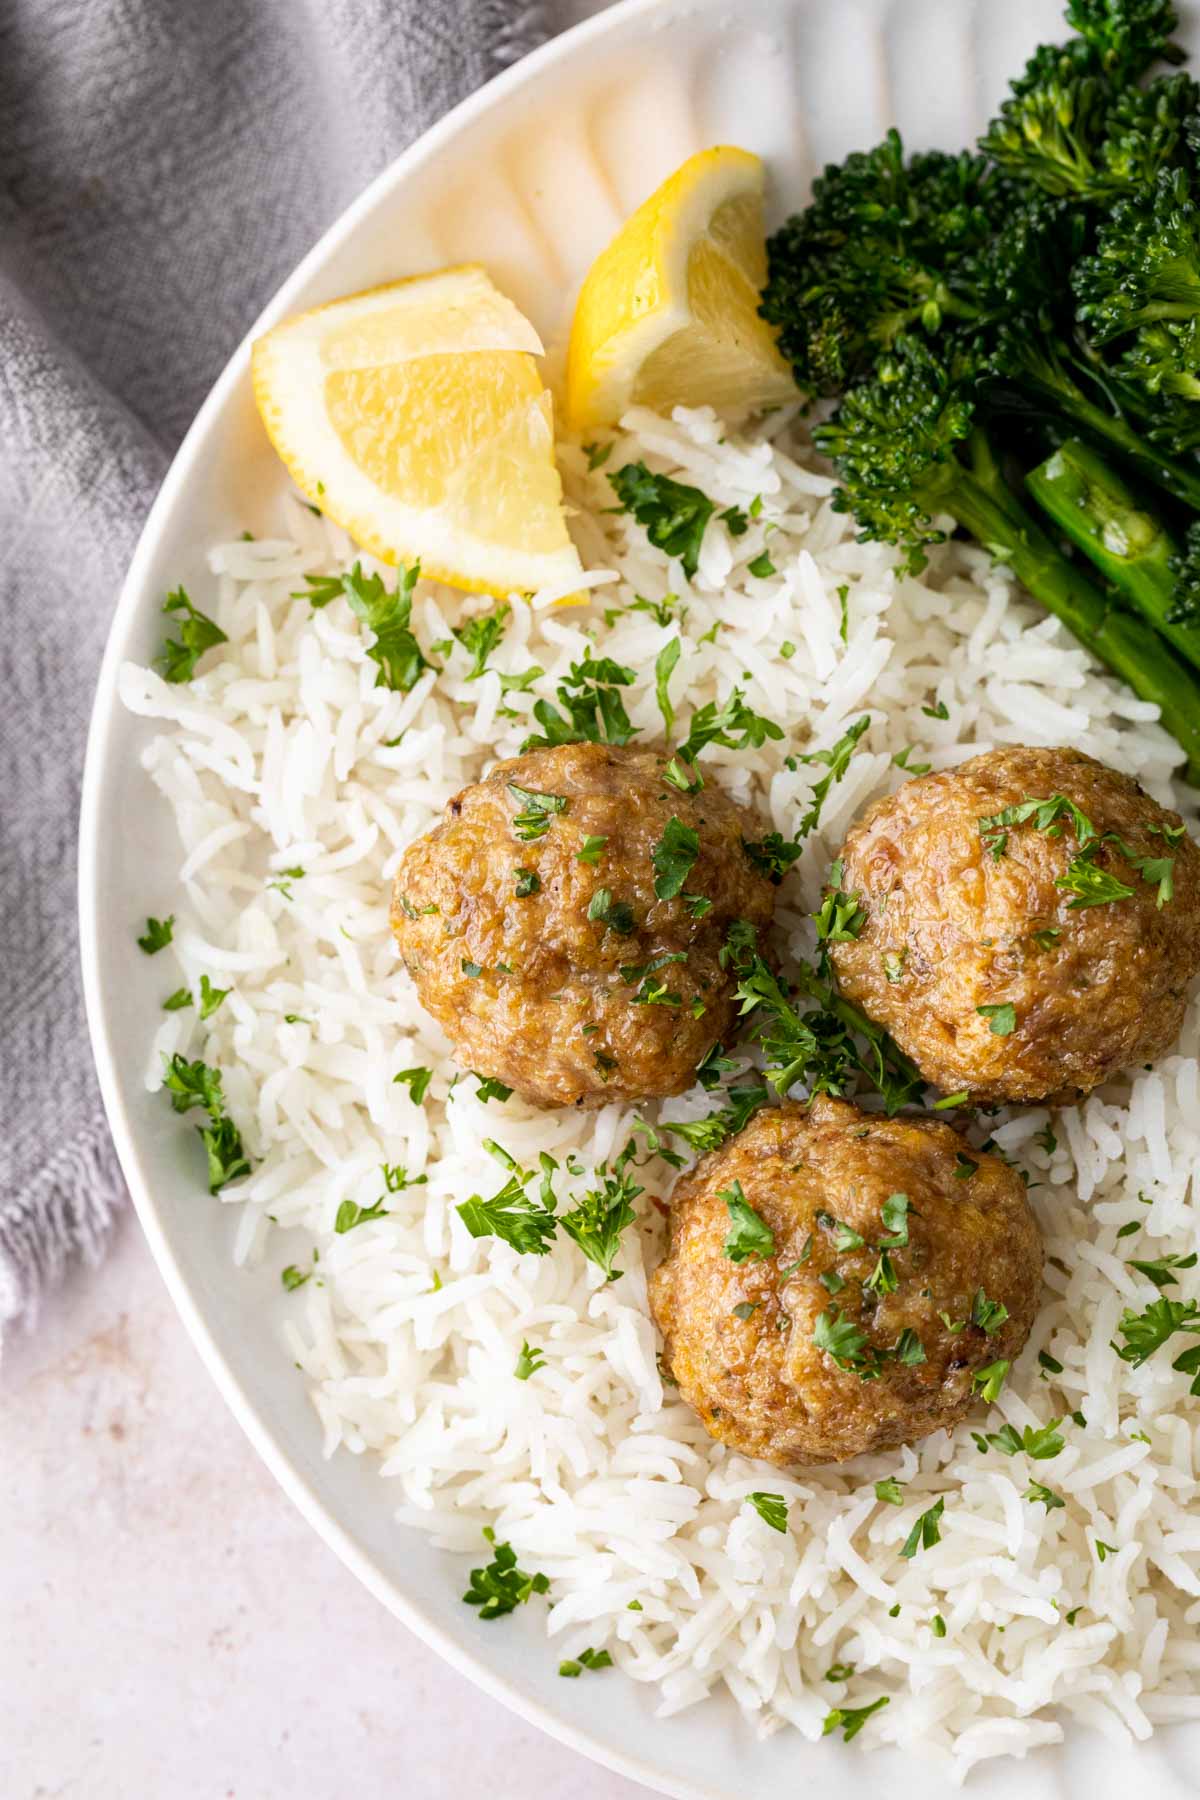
(292, 1277)
(762, 568)
(664, 668)
(481, 635)
(349, 1214)
(416, 1080)
(926, 1532)
(197, 633)
(527, 882)
(177, 1001)
(537, 810)
(836, 760)
(501, 1587)
(674, 857)
(490, 1089)
(890, 1491)
(210, 997)
(573, 1667)
(672, 514)
(1039, 1494)
(157, 935)
(528, 1362)
(772, 1509)
(987, 1382)
(849, 1720)
(1003, 1018)
(590, 850)
(613, 915)
(749, 1235)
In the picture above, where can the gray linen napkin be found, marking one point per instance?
(163, 165)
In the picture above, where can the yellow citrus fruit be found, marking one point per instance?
(414, 415)
(668, 313)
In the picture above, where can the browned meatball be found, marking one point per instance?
(964, 922)
(907, 1324)
(536, 938)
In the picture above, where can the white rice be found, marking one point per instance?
(279, 755)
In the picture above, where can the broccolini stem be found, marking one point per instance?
(1100, 514)
(985, 506)
(1105, 427)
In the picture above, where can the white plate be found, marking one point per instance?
(530, 177)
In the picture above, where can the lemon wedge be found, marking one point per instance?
(414, 415)
(668, 313)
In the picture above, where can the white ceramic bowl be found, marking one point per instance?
(530, 177)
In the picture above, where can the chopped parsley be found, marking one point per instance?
(674, 857)
(1104, 1551)
(1040, 1442)
(988, 1315)
(395, 650)
(839, 920)
(490, 1089)
(1147, 1331)
(528, 881)
(664, 668)
(772, 1509)
(196, 1084)
(416, 1080)
(762, 567)
(178, 1000)
(964, 1166)
(839, 1671)
(749, 1235)
(890, 1491)
(197, 633)
(481, 635)
(292, 1277)
(938, 711)
(1162, 1273)
(893, 964)
(210, 997)
(524, 1222)
(1090, 884)
(528, 1362)
(773, 854)
(836, 760)
(157, 935)
(901, 761)
(587, 1659)
(841, 1339)
(734, 725)
(537, 810)
(737, 521)
(673, 515)
(1046, 815)
(1040, 1494)
(350, 1213)
(926, 1532)
(746, 1309)
(501, 1587)
(614, 915)
(851, 1719)
(589, 851)
(1003, 1018)
(988, 1382)
(598, 454)
(594, 710)
(596, 1223)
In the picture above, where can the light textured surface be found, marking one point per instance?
(163, 166)
(173, 1630)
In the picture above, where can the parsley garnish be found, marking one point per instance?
(597, 1221)
(1047, 815)
(851, 1719)
(836, 760)
(673, 515)
(890, 1491)
(1146, 1332)
(210, 997)
(598, 454)
(292, 1277)
(938, 711)
(157, 935)
(416, 1080)
(501, 1587)
(1162, 1272)
(528, 881)
(195, 1084)
(178, 1000)
(480, 636)
(525, 1223)
(528, 1362)
(989, 1381)
(762, 567)
(749, 1235)
(734, 725)
(1090, 884)
(395, 650)
(1037, 1492)
(841, 1339)
(1040, 1442)
(350, 1213)
(587, 1659)
(664, 668)
(594, 712)
(773, 854)
(1104, 1551)
(490, 1089)
(537, 810)
(1003, 1018)
(673, 857)
(772, 1509)
(737, 521)
(926, 1532)
(590, 849)
(614, 915)
(197, 633)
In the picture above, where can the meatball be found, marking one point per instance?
(1001, 957)
(898, 1265)
(532, 923)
